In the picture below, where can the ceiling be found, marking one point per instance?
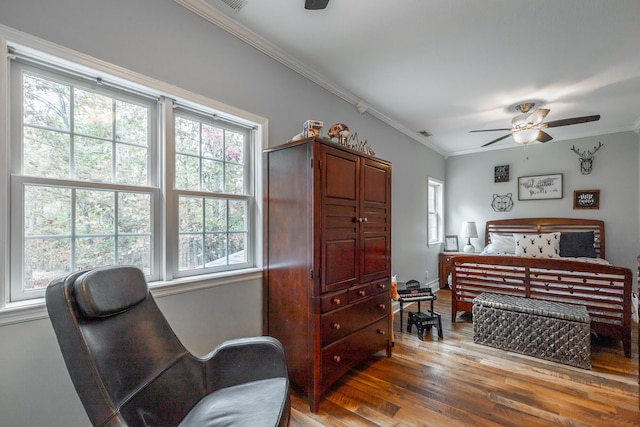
(449, 67)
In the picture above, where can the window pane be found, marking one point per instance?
(237, 248)
(134, 213)
(92, 252)
(237, 215)
(93, 160)
(190, 251)
(235, 145)
(135, 250)
(215, 249)
(95, 212)
(46, 153)
(46, 103)
(93, 114)
(132, 123)
(44, 260)
(187, 172)
(47, 232)
(187, 136)
(215, 215)
(234, 179)
(47, 211)
(212, 145)
(212, 175)
(191, 214)
(131, 165)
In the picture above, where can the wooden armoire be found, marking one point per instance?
(327, 259)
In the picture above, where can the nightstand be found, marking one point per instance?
(444, 266)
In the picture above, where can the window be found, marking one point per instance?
(105, 173)
(212, 182)
(435, 209)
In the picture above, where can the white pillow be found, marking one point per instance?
(501, 244)
(538, 245)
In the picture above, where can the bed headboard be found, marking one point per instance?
(548, 225)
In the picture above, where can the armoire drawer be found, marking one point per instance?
(338, 357)
(342, 322)
(334, 300)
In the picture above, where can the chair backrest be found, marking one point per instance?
(126, 363)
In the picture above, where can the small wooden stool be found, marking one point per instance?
(424, 322)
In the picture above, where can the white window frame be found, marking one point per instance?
(436, 212)
(168, 281)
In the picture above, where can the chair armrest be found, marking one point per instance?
(243, 360)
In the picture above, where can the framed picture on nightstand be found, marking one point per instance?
(451, 244)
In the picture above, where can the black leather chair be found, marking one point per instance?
(130, 369)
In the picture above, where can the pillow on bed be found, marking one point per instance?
(501, 244)
(538, 245)
(577, 244)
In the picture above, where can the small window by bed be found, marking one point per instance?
(435, 212)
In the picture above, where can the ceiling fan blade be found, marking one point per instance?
(571, 121)
(496, 140)
(315, 4)
(490, 130)
(543, 136)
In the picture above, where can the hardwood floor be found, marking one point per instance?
(454, 382)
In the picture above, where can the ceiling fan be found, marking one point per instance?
(527, 127)
(315, 4)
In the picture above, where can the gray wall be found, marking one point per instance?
(470, 188)
(162, 40)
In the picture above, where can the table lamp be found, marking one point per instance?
(468, 231)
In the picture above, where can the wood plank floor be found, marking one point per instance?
(454, 382)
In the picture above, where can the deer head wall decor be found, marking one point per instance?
(586, 158)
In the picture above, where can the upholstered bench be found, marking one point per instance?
(544, 329)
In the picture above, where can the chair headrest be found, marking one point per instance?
(109, 290)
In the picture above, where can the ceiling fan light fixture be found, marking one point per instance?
(525, 136)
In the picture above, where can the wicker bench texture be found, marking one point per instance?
(544, 329)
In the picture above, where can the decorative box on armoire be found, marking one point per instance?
(327, 259)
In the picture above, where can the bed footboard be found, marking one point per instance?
(605, 290)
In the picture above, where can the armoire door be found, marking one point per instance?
(339, 188)
(375, 229)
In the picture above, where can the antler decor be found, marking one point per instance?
(358, 145)
(586, 158)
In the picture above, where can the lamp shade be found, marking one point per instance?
(469, 231)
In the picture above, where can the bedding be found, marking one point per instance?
(583, 279)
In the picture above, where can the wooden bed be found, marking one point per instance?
(604, 289)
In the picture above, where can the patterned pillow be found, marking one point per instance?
(538, 245)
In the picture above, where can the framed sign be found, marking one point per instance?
(540, 187)
(586, 199)
(451, 244)
(501, 173)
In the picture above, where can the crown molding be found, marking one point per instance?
(233, 27)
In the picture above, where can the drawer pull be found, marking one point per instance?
(382, 306)
(336, 358)
(336, 301)
(362, 293)
(380, 332)
(335, 326)
(382, 286)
